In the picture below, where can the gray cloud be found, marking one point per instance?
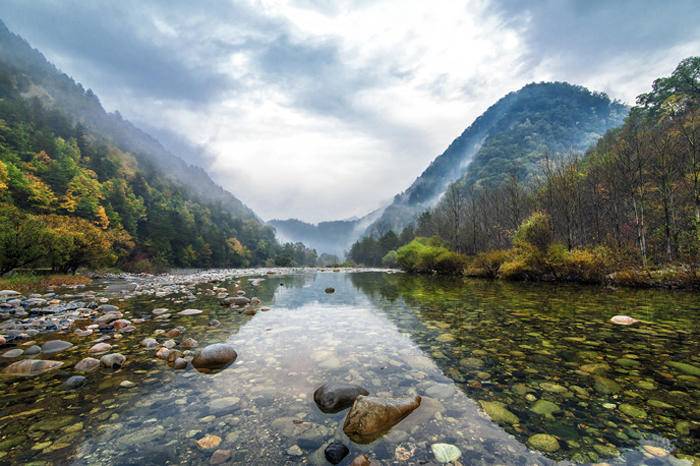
(338, 95)
(116, 44)
(582, 36)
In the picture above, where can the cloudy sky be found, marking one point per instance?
(321, 109)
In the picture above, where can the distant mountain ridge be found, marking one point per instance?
(57, 89)
(509, 138)
(333, 237)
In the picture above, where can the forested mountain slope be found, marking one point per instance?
(41, 79)
(81, 187)
(509, 139)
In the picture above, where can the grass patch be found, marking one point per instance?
(24, 283)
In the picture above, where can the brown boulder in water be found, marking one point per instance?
(214, 357)
(370, 416)
(335, 397)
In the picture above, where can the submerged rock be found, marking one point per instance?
(113, 360)
(543, 442)
(329, 290)
(623, 320)
(13, 353)
(188, 343)
(220, 456)
(685, 367)
(209, 442)
(445, 453)
(55, 346)
(633, 411)
(335, 397)
(190, 312)
(149, 342)
(214, 357)
(371, 416)
(87, 365)
(498, 412)
(100, 348)
(74, 381)
(31, 367)
(606, 386)
(335, 452)
(545, 408)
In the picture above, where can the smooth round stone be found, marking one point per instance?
(149, 342)
(543, 442)
(31, 367)
(127, 384)
(13, 353)
(180, 363)
(623, 320)
(34, 349)
(329, 290)
(214, 357)
(209, 442)
(160, 311)
(220, 456)
(100, 348)
(74, 381)
(190, 312)
(445, 453)
(335, 452)
(113, 360)
(55, 346)
(188, 343)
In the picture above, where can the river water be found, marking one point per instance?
(537, 358)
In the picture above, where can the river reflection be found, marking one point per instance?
(453, 343)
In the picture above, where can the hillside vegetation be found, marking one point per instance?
(628, 210)
(509, 139)
(83, 188)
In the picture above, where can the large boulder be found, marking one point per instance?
(214, 357)
(335, 397)
(31, 367)
(370, 417)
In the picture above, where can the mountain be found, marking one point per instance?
(333, 237)
(510, 138)
(58, 90)
(83, 187)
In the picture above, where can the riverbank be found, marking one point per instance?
(27, 282)
(670, 278)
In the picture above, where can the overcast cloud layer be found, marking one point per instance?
(322, 109)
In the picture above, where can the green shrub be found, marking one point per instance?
(390, 259)
(429, 255)
(535, 230)
(486, 264)
(581, 264)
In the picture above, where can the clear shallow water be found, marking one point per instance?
(455, 343)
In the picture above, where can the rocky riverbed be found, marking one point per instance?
(271, 367)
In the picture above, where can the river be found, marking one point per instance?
(495, 363)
